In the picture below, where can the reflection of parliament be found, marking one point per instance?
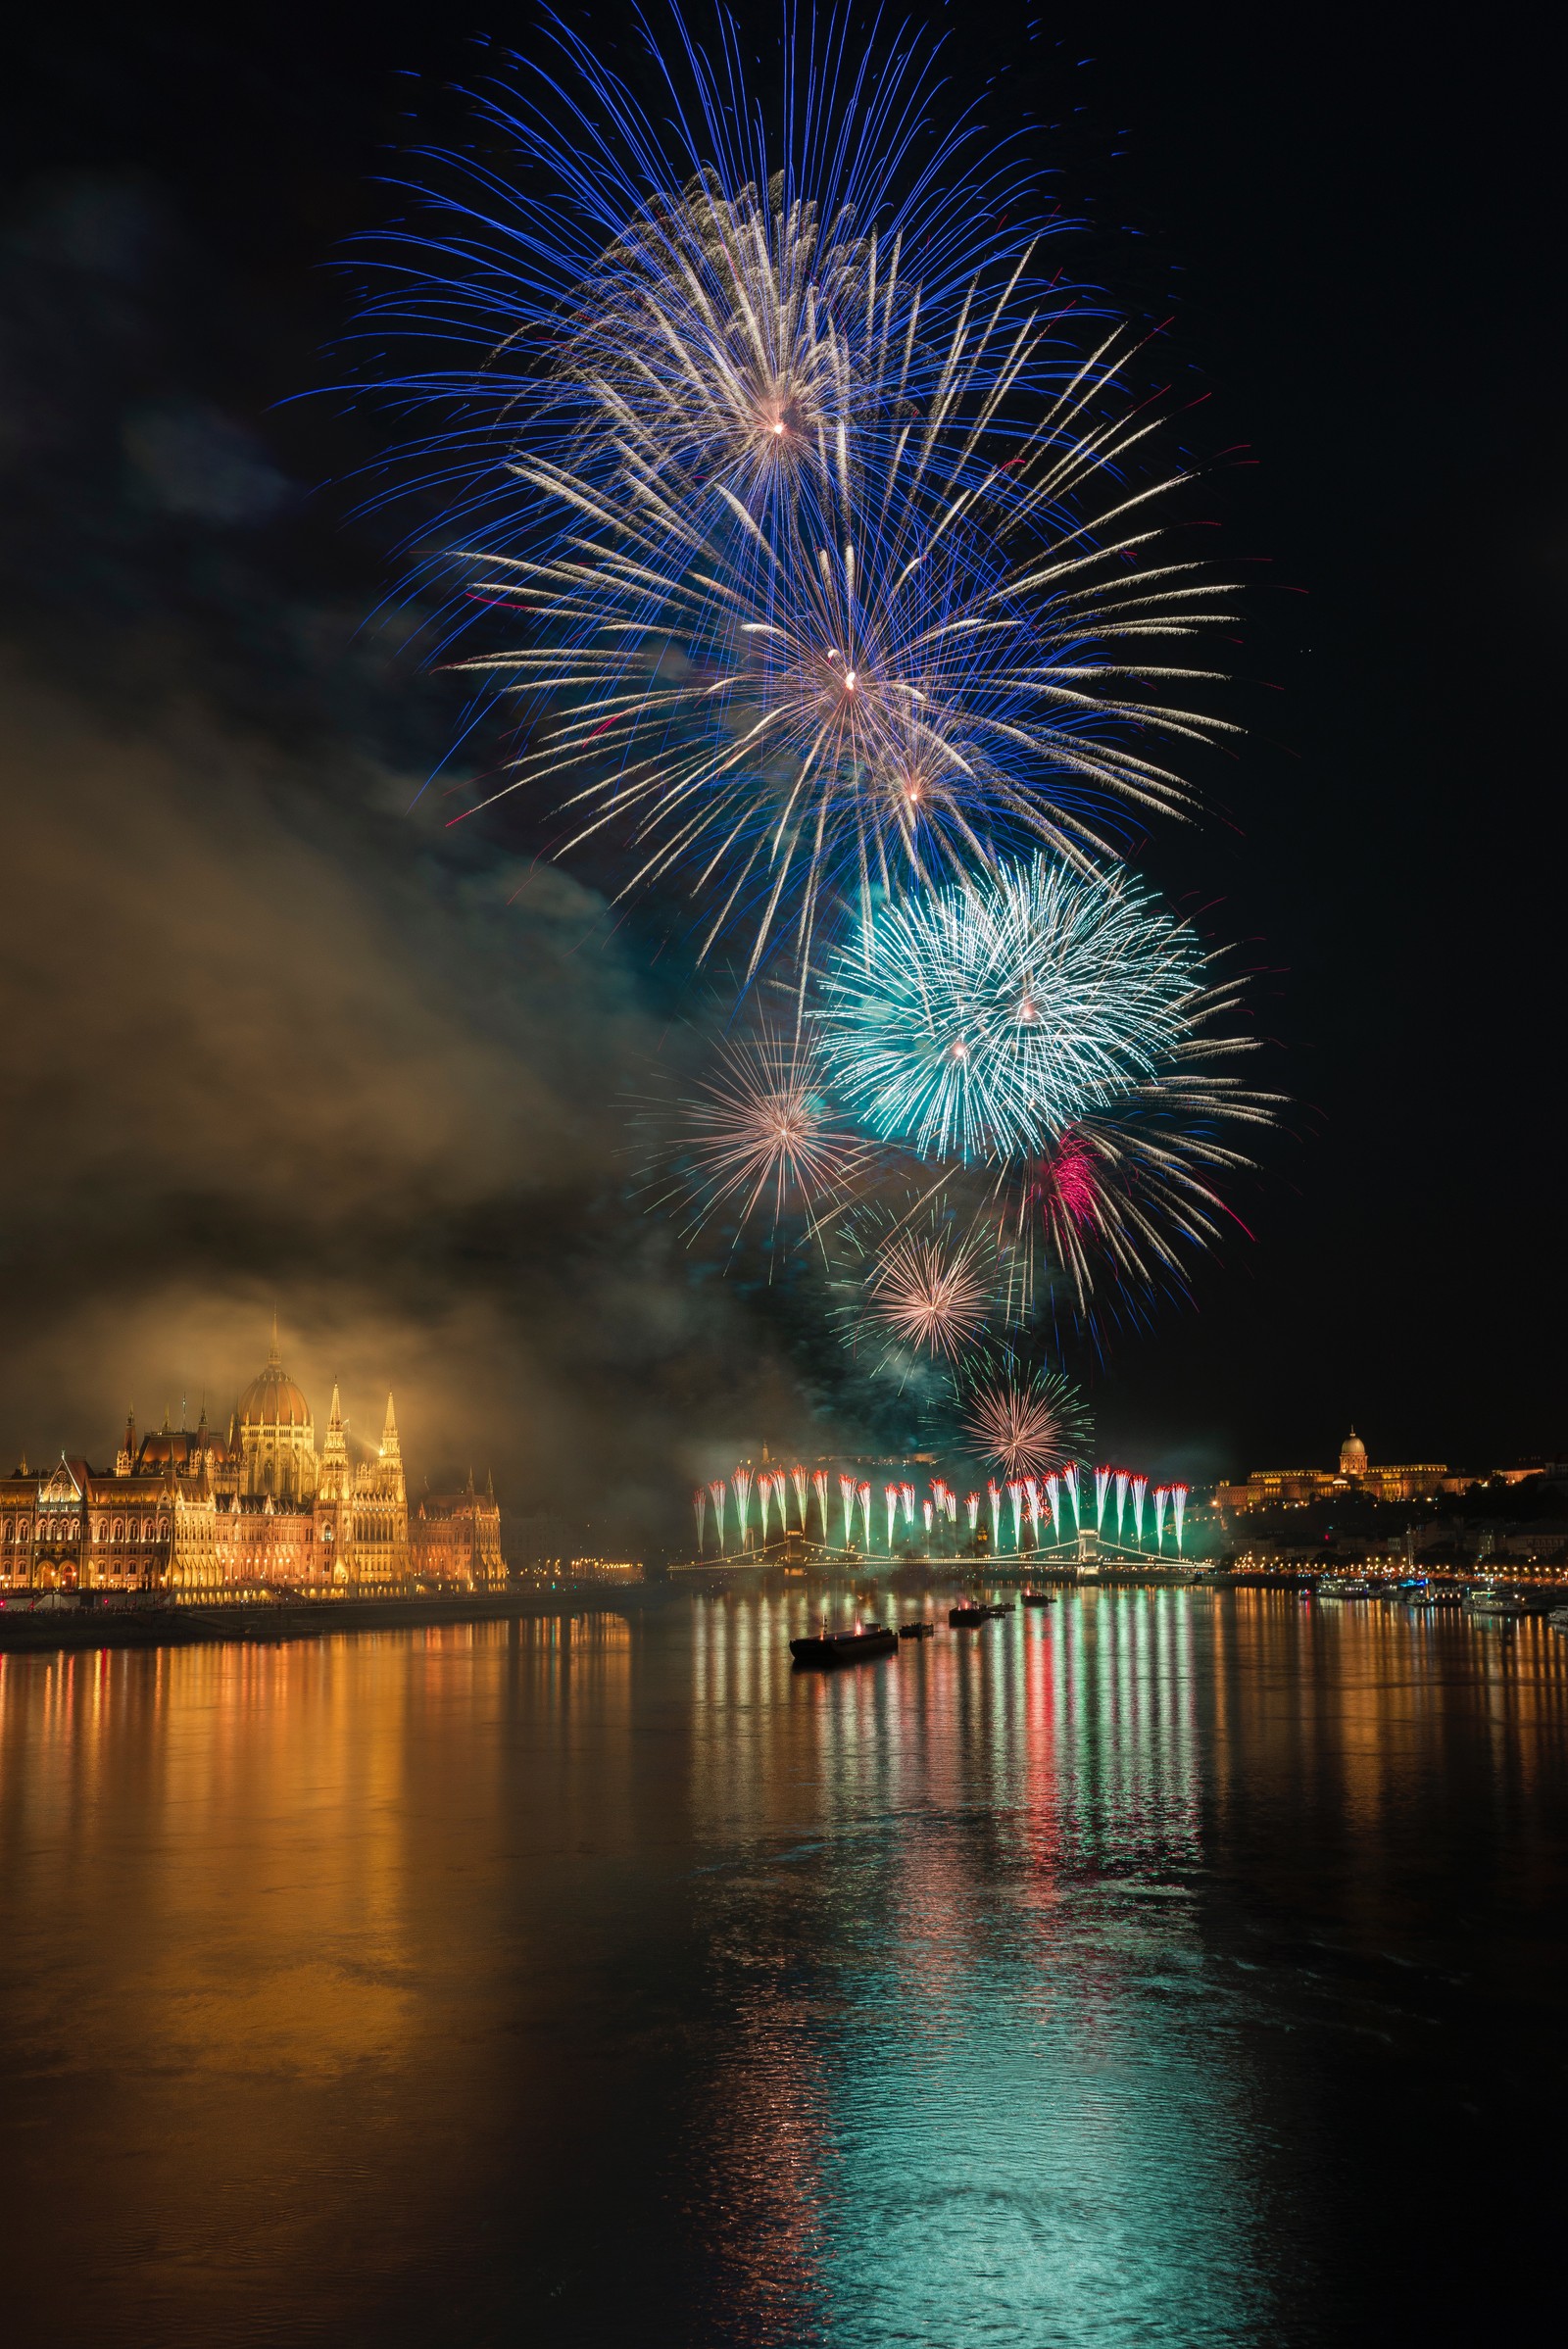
(188, 1510)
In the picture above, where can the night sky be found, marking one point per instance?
(270, 1036)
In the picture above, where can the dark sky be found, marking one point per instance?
(268, 1034)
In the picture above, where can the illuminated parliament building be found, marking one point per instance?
(189, 1510)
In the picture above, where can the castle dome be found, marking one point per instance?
(1353, 1456)
(271, 1399)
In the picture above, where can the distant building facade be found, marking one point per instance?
(1268, 1487)
(457, 1538)
(189, 1511)
(606, 1569)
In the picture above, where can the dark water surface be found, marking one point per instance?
(1163, 1968)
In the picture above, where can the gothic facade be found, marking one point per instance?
(189, 1512)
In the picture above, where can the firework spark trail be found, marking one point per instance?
(1024, 1422)
(741, 1487)
(984, 1020)
(695, 301)
(1140, 1486)
(1102, 1486)
(1161, 1497)
(864, 1500)
(1069, 1476)
(993, 1496)
(1141, 1186)
(798, 1479)
(972, 1507)
(1030, 1492)
(928, 1514)
(907, 1498)
(847, 1496)
(1178, 1505)
(764, 1502)
(700, 1513)
(890, 1496)
(1054, 1507)
(820, 1488)
(720, 1491)
(759, 1137)
(880, 717)
(1015, 1504)
(932, 1291)
(764, 492)
(1121, 1498)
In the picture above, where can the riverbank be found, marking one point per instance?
(35, 1631)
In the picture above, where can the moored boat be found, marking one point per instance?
(1040, 1598)
(962, 1618)
(844, 1648)
(1495, 1605)
(917, 1630)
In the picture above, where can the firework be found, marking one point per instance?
(1102, 1486)
(863, 1501)
(1162, 1496)
(700, 1513)
(690, 301)
(889, 715)
(1139, 1487)
(1130, 1191)
(982, 1021)
(927, 1511)
(719, 1493)
(890, 1496)
(994, 1496)
(741, 1487)
(798, 1480)
(847, 1496)
(1069, 1478)
(933, 1292)
(919, 1277)
(971, 1509)
(907, 1499)
(1026, 1422)
(1177, 1506)
(1121, 1498)
(820, 1488)
(759, 1138)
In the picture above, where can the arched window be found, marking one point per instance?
(120, 1529)
(163, 1528)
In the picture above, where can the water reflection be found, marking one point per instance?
(1123, 1971)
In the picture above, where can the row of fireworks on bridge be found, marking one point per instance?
(1051, 1506)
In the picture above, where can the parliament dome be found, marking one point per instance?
(271, 1399)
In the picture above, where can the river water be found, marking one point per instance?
(1160, 1968)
